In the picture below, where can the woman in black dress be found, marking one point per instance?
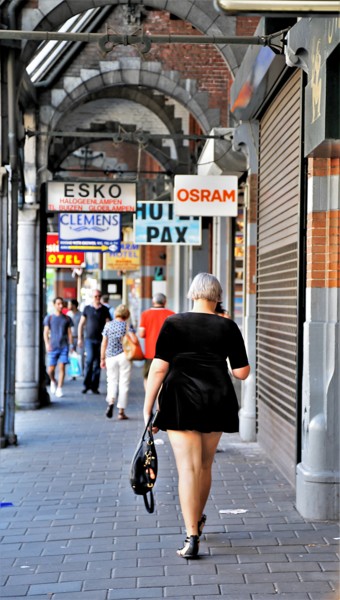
(197, 401)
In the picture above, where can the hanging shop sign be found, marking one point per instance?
(128, 259)
(56, 258)
(92, 232)
(156, 223)
(90, 196)
(212, 196)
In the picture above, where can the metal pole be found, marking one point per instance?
(12, 263)
(127, 40)
(126, 136)
(106, 42)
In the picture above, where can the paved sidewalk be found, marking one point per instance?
(77, 532)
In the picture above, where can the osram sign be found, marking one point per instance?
(206, 196)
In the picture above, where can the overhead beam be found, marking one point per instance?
(123, 136)
(107, 41)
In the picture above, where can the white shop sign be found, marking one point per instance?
(206, 196)
(90, 196)
(156, 223)
(89, 232)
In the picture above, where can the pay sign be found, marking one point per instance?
(207, 196)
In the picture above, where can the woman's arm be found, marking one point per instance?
(132, 336)
(157, 373)
(103, 351)
(241, 373)
(80, 330)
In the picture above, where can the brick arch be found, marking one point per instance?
(63, 148)
(128, 72)
(199, 13)
(144, 97)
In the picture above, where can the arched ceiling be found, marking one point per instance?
(202, 14)
(123, 90)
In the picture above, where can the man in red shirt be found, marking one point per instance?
(150, 325)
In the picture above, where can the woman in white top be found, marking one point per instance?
(118, 367)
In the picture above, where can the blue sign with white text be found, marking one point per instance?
(156, 223)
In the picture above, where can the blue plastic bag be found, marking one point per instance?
(74, 366)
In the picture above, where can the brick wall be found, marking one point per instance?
(323, 233)
(251, 248)
(246, 25)
(201, 63)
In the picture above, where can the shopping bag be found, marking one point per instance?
(74, 366)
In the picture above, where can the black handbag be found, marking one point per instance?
(143, 469)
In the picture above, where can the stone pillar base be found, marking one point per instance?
(317, 494)
(247, 413)
(28, 396)
(247, 426)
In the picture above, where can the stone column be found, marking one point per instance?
(247, 413)
(28, 325)
(246, 138)
(317, 484)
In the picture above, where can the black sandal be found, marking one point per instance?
(201, 524)
(190, 548)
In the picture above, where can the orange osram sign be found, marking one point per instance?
(206, 196)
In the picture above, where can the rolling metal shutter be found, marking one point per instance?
(277, 275)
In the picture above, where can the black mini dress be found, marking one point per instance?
(197, 392)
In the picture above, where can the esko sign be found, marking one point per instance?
(90, 196)
(156, 223)
(206, 196)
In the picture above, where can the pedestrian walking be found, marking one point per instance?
(74, 314)
(58, 340)
(118, 367)
(93, 319)
(150, 325)
(197, 401)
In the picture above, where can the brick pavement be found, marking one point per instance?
(77, 532)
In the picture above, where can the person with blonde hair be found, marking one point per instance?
(118, 367)
(196, 397)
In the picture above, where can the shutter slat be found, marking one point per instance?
(277, 274)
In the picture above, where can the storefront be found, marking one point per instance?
(287, 108)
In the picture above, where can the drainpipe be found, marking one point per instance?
(12, 262)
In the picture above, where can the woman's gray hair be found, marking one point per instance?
(205, 286)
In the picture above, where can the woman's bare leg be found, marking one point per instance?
(187, 448)
(209, 445)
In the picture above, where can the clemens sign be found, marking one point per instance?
(89, 232)
(206, 196)
(67, 196)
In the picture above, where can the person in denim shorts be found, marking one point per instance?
(58, 340)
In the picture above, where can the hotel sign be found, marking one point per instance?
(57, 258)
(156, 223)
